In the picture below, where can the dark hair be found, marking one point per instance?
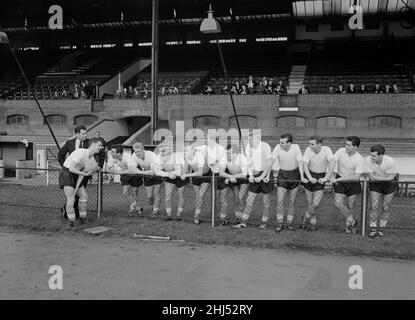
(94, 140)
(118, 148)
(317, 138)
(354, 140)
(79, 128)
(228, 146)
(378, 148)
(287, 136)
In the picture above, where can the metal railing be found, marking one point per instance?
(106, 196)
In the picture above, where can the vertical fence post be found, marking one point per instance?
(364, 204)
(213, 198)
(47, 172)
(99, 194)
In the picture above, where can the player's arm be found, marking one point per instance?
(197, 173)
(223, 174)
(268, 167)
(375, 177)
(299, 158)
(352, 177)
(73, 169)
(329, 173)
(307, 170)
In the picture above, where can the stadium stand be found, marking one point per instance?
(358, 63)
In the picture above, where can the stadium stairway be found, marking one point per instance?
(296, 78)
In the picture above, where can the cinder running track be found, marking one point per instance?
(121, 268)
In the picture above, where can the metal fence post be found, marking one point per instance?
(99, 194)
(364, 204)
(213, 196)
(47, 173)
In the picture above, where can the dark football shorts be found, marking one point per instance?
(131, 180)
(383, 187)
(293, 176)
(152, 181)
(222, 185)
(257, 187)
(178, 182)
(69, 179)
(347, 188)
(313, 187)
(206, 178)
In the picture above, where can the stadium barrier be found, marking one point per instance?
(106, 196)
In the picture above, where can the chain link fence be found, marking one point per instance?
(39, 188)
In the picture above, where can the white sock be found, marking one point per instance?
(382, 223)
(349, 221)
(168, 210)
(289, 219)
(313, 221)
(280, 218)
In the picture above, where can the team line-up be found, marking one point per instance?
(245, 172)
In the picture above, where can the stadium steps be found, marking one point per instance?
(296, 78)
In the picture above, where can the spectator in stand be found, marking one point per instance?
(377, 89)
(264, 81)
(64, 94)
(208, 89)
(136, 93)
(388, 89)
(351, 88)
(163, 90)
(270, 87)
(283, 89)
(130, 92)
(261, 87)
(331, 89)
(124, 93)
(238, 87)
(251, 85)
(304, 89)
(233, 89)
(362, 89)
(340, 89)
(55, 95)
(225, 89)
(244, 89)
(395, 88)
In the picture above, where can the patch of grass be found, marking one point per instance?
(395, 244)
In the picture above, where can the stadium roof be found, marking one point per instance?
(318, 8)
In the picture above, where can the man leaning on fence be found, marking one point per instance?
(381, 172)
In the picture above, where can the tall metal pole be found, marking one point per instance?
(154, 67)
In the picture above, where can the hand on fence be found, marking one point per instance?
(251, 179)
(305, 180)
(232, 179)
(172, 175)
(322, 180)
(266, 179)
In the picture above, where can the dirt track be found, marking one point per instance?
(116, 268)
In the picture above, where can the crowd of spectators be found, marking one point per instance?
(262, 85)
(351, 88)
(76, 90)
(143, 90)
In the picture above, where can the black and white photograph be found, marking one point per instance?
(205, 157)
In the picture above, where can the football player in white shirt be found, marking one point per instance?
(259, 158)
(346, 183)
(141, 162)
(318, 161)
(197, 169)
(129, 182)
(167, 165)
(235, 178)
(72, 168)
(215, 154)
(290, 176)
(381, 171)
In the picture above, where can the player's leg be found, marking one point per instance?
(351, 200)
(266, 199)
(339, 202)
(155, 198)
(83, 203)
(292, 194)
(317, 196)
(200, 199)
(127, 192)
(168, 189)
(281, 192)
(70, 200)
(243, 190)
(150, 194)
(309, 212)
(180, 201)
(223, 195)
(375, 204)
(387, 200)
(247, 211)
